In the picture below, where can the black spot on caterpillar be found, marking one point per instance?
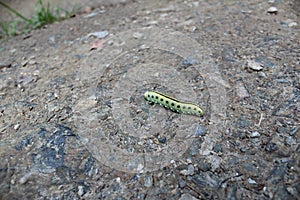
(173, 104)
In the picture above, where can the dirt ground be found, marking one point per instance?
(75, 125)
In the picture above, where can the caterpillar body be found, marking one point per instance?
(173, 104)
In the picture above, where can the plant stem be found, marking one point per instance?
(15, 12)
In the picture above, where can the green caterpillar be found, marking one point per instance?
(173, 104)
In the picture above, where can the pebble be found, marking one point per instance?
(17, 126)
(271, 146)
(255, 134)
(204, 166)
(184, 172)
(148, 181)
(261, 74)
(162, 140)
(25, 178)
(251, 181)
(191, 169)
(80, 190)
(292, 24)
(272, 10)
(289, 23)
(103, 116)
(182, 183)
(217, 148)
(256, 66)
(241, 91)
(189, 160)
(100, 34)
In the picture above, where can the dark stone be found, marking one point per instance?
(294, 130)
(271, 146)
(162, 140)
(217, 148)
(206, 180)
(204, 166)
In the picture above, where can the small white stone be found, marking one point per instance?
(100, 34)
(255, 134)
(17, 126)
(292, 24)
(184, 172)
(80, 190)
(256, 66)
(25, 178)
(140, 168)
(118, 180)
(261, 74)
(251, 181)
(272, 10)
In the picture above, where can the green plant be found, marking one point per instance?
(8, 29)
(43, 15)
